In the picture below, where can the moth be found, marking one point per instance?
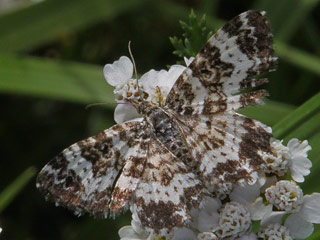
(165, 163)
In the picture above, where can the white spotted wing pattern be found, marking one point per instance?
(164, 163)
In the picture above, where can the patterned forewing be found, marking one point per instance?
(225, 66)
(167, 191)
(83, 176)
(131, 173)
(228, 147)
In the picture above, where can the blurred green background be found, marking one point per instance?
(51, 57)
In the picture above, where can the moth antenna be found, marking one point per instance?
(103, 103)
(135, 69)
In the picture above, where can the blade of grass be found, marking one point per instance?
(315, 236)
(43, 22)
(270, 113)
(312, 35)
(59, 80)
(298, 57)
(306, 130)
(311, 184)
(11, 191)
(297, 117)
(315, 143)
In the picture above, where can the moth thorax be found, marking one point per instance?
(145, 108)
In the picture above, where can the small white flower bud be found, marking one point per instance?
(234, 221)
(277, 162)
(207, 236)
(274, 231)
(285, 196)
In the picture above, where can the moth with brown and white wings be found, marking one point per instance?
(164, 163)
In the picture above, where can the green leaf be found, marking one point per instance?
(315, 236)
(11, 191)
(310, 126)
(269, 113)
(59, 80)
(194, 37)
(297, 117)
(41, 23)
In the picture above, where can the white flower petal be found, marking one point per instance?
(128, 233)
(150, 80)
(163, 79)
(250, 236)
(159, 83)
(119, 72)
(132, 238)
(210, 204)
(184, 234)
(137, 228)
(310, 209)
(293, 144)
(188, 61)
(207, 217)
(298, 227)
(245, 194)
(125, 112)
(269, 182)
(262, 179)
(206, 236)
(300, 167)
(173, 74)
(257, 209)
(299, 148)
(298, 154)
(272, 217)
(207, 221)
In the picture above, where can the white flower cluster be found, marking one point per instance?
(231, 214)
(154, 86)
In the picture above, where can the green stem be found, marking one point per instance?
(308, 129)
(11, 191)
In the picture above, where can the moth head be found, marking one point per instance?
(145, 108)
